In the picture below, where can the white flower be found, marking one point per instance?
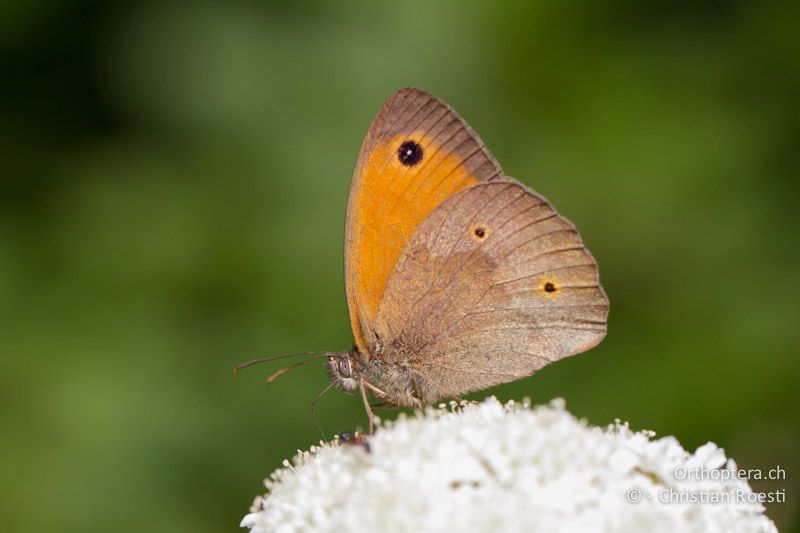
(490, 467)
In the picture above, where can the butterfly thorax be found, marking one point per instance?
(398, 384)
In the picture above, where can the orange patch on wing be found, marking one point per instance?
(392, 200)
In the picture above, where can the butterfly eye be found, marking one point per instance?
(344, 367)
(409, 153)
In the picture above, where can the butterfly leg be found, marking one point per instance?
(364, 398)
(374, 389)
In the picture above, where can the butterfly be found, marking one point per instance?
(457, 276)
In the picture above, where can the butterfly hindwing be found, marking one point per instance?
(491, 286)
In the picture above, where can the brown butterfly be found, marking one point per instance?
(457, 276)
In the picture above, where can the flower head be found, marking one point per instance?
(494, 467)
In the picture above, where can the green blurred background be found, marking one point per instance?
(172, 195)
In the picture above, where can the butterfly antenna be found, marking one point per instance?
(314, 409)
(260, 360)
(285, 369)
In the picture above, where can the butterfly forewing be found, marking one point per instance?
(417, 153)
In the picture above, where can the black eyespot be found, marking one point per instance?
(480, 232)
(409, 153)
(549, 287)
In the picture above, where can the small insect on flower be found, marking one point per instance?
(355, 439)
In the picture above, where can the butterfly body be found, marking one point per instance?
(458, 277)
(395, 383)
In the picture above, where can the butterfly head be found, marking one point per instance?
(340, 370)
